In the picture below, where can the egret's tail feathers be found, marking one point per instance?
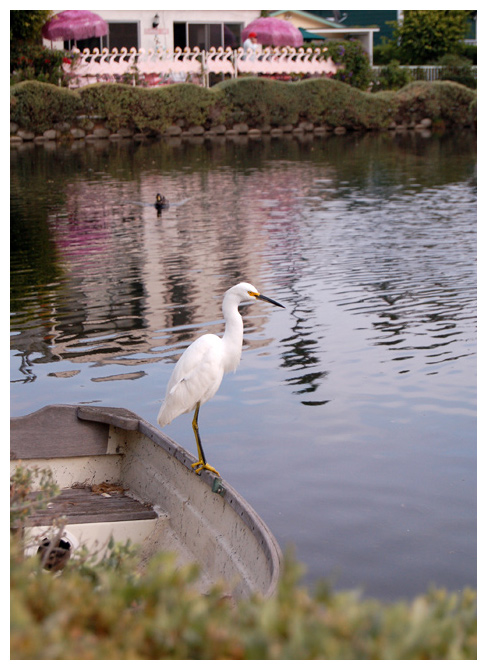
(162, 418)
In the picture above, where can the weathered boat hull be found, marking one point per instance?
(200, 518)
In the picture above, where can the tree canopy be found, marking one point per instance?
(26, 24)
(424, 36)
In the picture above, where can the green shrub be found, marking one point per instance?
(386, 51)
(353, 61)
(251, 100)
(446, 103)
(22, 501)
(458, 69)
(116, 103)
(191, 104)
(424, 36)
(258, 101)
(35, 62)
(392, 77)
(149, 109)
(468, 51)
(330, 102)
(114, 610)
(38, 107)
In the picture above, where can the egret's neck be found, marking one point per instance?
(233, 335)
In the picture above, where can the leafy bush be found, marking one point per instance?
(424, 36)
(22, 499)
(35, 62)
(149, 109)
(392, 77)
(446, 103)
(330, 102)
(386, 51)
(468, 51)
(26, 25)
(254, 101)
(116, 103)
(258, 101)
(115, 610)
(191, 104)
(353, 61)
(456, 68)
(38, 107)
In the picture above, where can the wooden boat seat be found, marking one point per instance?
(105, 503)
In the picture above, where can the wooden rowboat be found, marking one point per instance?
(122, 478)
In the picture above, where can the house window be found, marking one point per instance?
(231, 35)
(122, 34)
(207, 35)
(90, 44)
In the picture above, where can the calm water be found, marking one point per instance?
(350, 424)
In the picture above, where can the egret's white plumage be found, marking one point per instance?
(198, 373)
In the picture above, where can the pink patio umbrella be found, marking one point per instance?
(274, 32)
(74, 24)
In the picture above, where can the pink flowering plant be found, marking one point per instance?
(32, 61)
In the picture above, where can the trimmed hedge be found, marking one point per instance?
(258, 101)
(446, 103)
(37, 106)
(333, 103)
(149, 109)
(255, 101)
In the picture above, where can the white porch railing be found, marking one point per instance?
(160, 67)
(420, 72)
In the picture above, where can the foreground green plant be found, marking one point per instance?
(108, 612)
(114, 610)
(22, 497)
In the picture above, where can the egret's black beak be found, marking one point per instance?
(259, 296)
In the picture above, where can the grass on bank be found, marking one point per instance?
(113, 610)
(255, 101)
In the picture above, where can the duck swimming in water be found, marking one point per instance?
(161, 202)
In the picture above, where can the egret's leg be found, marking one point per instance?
(201, 464)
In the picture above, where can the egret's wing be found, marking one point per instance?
(195, 379)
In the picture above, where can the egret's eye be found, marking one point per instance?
(252, 294)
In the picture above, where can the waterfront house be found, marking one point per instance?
(168, 29)
(204, 28)
(313, 23)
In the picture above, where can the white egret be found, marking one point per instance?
(198, 373)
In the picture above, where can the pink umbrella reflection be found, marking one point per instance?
(274, 32)
(74, 24)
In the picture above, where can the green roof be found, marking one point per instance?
(311, 36)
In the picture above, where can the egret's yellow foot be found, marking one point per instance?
(201, 465)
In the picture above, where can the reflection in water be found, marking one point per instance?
(368, 241)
